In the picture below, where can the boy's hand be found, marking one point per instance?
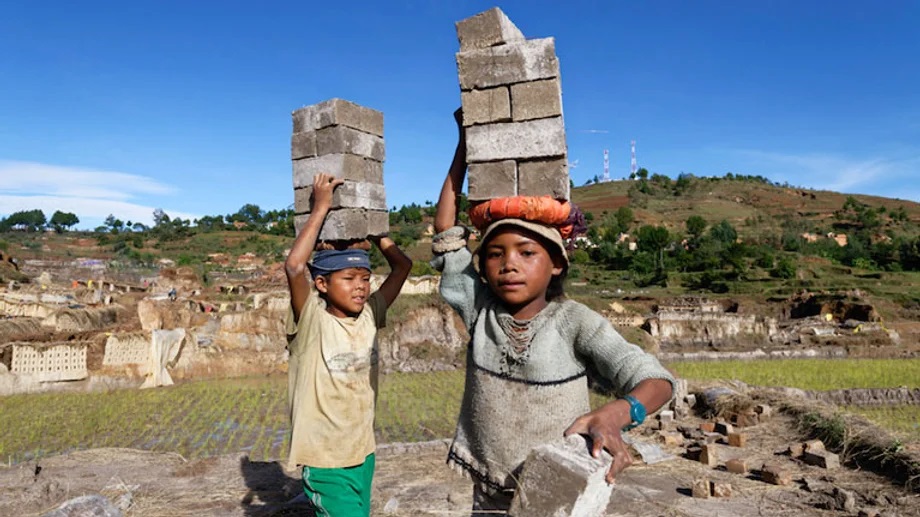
(604, 428)
(323, 185)
(458, 117)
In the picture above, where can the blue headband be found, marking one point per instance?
(330, 261)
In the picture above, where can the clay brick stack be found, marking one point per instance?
(512, 110)
(344, 139)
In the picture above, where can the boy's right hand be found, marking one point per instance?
(323, 185)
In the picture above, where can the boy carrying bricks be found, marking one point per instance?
(332, 376)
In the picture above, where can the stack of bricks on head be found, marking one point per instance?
(512, 110)
(345, 140)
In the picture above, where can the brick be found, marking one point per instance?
(345, 140)
(378, 222)
(694, 452)
(562, 479)
(775, 474)
(823, 459)
(536, 99)
(701, 489)
(666, 417)
(712, 437)
(724, 428)
(721, 489)
(492, 179)
(487, 29)
(708, 427)
(515, 140)
(690, 399)
(338, 112)
(737, 439)
(529, 60)
(796, 450)
(486, 106)
(303, 145)
(708, 455)
(736, 466)
(345, 166)
(763, 411)
(670, 438)
(346, 224)
(745, 419)
(347, 195)
(813, 446)
(544, 178)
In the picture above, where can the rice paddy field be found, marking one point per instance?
(206, 418)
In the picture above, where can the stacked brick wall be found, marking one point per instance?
(512, 110)
(345, 140)
(54, 362)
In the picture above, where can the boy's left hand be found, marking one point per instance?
(603, 426)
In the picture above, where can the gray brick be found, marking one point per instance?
(517, 140)
(345, 166)
(537, 99)
(347, 195)
(341, 139)
(303, 145)
(562, 479)
(378, 222)
(347, 224)
(529, 60)
(492, 179)
(302, 204)
(338, 112)
(487, 29)
(822, 458)
(486, 106)
(544, 178)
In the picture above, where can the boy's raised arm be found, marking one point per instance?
(296, 264)
(400, 266)
(446, 215)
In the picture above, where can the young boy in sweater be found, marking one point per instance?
(531, 351)
(332, 375)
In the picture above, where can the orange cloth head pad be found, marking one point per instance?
(545, 210)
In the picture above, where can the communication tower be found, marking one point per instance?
(633, 167)
(606, 167)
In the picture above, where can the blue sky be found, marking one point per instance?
(123, 107)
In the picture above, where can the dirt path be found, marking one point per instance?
(414, 481)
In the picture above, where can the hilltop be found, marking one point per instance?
(738, 201)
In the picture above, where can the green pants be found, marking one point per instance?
(340, 492)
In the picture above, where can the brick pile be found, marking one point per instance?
(345, 140)
(512, 110)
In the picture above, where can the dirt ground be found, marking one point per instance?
(413, 480)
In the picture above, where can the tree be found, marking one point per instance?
(249, 213)
(62, 221)
(653, 239)
(624, 217)
(113, 224)
(159, 217)
(696, 225)
(642, 173)
(28, 220)
(724, 232)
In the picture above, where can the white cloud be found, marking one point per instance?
(90, 194)
(889, 177)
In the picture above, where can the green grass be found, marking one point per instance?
(206, 418)
(212, 417)
(809, 374)
(902, 420)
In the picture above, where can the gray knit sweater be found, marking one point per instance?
(525, 391)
